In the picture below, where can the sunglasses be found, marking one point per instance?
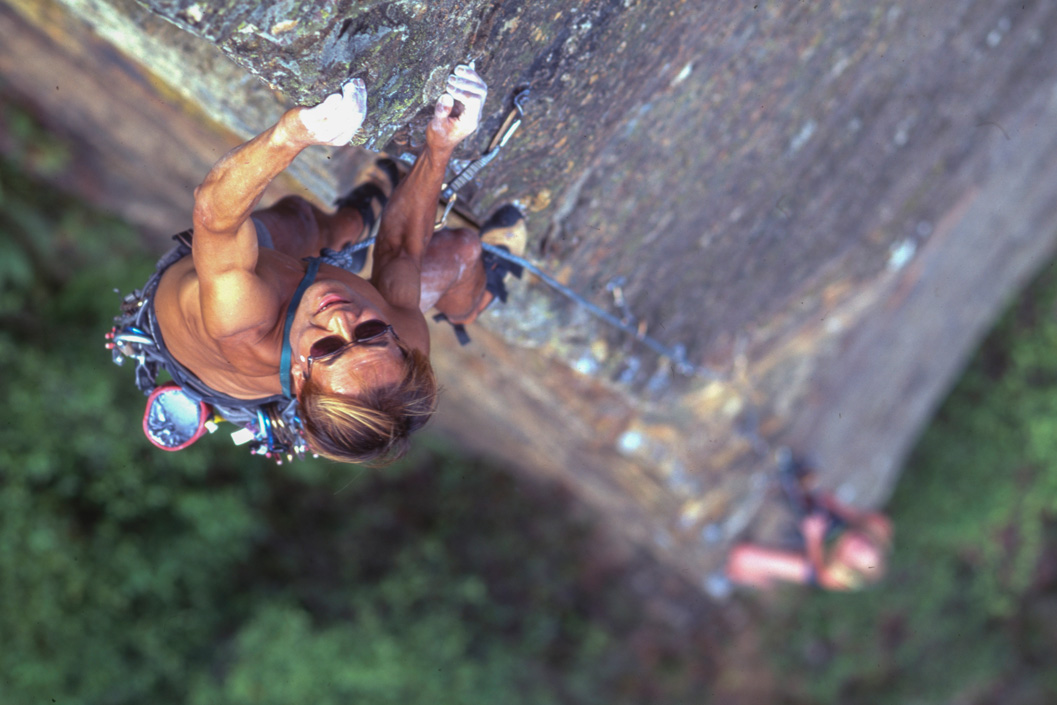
(329, 348)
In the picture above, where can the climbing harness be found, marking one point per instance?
(793, 472)
(180, 411)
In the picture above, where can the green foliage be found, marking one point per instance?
(455, 606)
(130, 575)
(422, 660)
(972, 514)
(106, 549)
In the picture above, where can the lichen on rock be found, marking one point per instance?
(308, 48)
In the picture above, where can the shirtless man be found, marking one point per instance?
(247, 315)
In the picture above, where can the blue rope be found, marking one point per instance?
(677, 354)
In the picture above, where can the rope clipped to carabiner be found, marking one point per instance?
(450, 193)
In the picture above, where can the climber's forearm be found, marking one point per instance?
(407, 226)
(234, 186)
(408, 222)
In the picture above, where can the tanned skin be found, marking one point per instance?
(861, 549)
(221, 310)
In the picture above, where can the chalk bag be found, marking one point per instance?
(174, 419)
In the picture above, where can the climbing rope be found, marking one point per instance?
(748, 426)
(450, 196)
(675, 353)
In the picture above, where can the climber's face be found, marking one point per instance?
(344, 339)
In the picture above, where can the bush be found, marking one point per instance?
(131, 575)
(972, 513)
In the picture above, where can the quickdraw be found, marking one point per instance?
(450, 193)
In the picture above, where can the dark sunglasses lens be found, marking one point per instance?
(326, 346)
(369, 330)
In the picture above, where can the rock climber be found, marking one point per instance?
(252, 314)
(843, 548)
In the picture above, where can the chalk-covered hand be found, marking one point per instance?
(335, 120)
(458, 111)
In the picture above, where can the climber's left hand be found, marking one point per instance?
(458, 111)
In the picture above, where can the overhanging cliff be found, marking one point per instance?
(825, 204)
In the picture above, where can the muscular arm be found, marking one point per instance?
(407, 227)
(407, 224)
(234, 299)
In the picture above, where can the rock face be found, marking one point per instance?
(824, 204)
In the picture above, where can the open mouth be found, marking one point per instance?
(329, 301)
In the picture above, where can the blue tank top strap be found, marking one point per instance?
(295, 301)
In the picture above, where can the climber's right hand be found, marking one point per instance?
(333, 122)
